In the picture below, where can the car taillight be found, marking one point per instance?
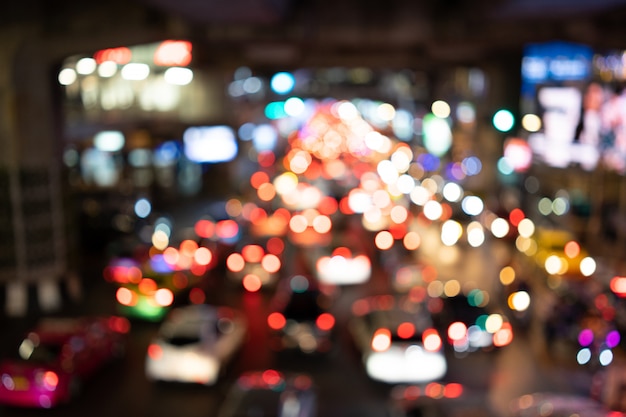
(503, 336)
(405, 330)
(325, 321)
(125, 296)
(431, 340)
(155, 351)
(272, 377)
(48, 379)
(276, 321)
(119, 324)
(164, 297)
(381, 341)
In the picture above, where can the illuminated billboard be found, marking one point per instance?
(210, 144)
(576, 93)
(133, 83)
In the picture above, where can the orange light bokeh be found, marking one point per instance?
(252, 283)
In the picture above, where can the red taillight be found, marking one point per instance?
(164, 297)
(252, 282)
(125, 296)
(50, 379)
(272, 377)
(155, 352)
(406, 330)
(276, 321)
(504, 336)
(381, 341)
(119, 324)
(453, 390)
(325, 321)
(431, 340)
(47, 379)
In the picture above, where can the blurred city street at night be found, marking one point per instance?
(295, 209)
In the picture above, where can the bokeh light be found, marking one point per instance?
(440, 109)
(503, 120)
(519, 301)
(282, 82)
(531, 122)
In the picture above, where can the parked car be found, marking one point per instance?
(195, 343)
(270, 393)
(300, 317)
(57, 357)
(397, 340)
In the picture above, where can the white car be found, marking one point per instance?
(397, 340)
(195, 343)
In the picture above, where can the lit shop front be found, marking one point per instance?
(126, 110)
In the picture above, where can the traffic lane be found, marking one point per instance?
(344, 388)
(122, 388)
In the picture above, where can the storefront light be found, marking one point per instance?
(135, 71)
(178, 75)
(210, 144)
(107, 69)
(109, 141)
(67, 76)
(86, 66)
(440, 109)
(173, 52)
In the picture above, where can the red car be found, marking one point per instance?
(57, 356)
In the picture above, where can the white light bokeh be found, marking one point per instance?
(472, 205)
(86, 66)
(178, 76)
(499, 227)
(135, 71)
(433, 210)
(67, 76)
(451, 232)
(440, 109)
(452, 192)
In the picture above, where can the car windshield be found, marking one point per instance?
(189, 332)
(458, 309)
(303, 306)
(182, 340)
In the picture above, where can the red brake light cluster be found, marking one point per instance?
(431, 340)
(155, 352)
(119, 324)
(325, 321)
(265, 379)
(47, 379)
(276, 321)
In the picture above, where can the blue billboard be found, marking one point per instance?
(555, 62)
